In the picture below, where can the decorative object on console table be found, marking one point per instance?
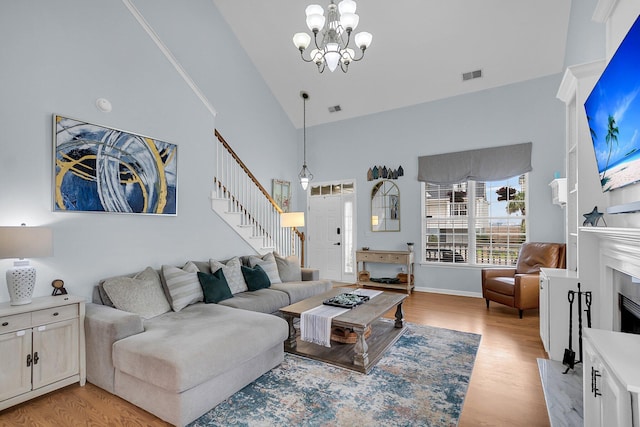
(101, 169)
(24, 242)
(58, 287)
(593, 217)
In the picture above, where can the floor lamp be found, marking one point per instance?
(24, 242)
(293, 220)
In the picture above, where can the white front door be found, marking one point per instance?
(331, 231)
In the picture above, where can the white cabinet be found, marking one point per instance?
(555, 284)
(41, 347)
(611, 378)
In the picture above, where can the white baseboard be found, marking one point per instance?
(449, 292)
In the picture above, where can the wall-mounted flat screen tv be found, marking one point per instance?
(613, 113)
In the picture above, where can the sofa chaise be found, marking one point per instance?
(177, 356)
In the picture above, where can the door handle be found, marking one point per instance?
(336, 244)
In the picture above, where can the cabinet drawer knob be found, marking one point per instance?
(5, 323)
(56, 313)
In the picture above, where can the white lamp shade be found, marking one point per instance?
(347, 6)
(347, 55)
(304, 182)
(25, 242)
(314, 9)
(349, 21)
(332, 56)
(315, 22)
(363, 39)
(301, 40)
(292, 219)
(316, 56)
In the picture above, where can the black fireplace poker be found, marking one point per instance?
(569, 359)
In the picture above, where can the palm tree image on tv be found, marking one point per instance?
(612, 136)
(613, 115)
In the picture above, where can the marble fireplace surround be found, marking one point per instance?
(618, 251)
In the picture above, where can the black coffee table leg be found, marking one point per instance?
(290, 342)
(399, 317)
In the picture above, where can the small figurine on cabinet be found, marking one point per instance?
(58, 287)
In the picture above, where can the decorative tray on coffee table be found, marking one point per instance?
(346, 300)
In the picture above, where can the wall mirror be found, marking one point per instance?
(385, 206)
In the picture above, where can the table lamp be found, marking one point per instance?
(22, 242)
(292, 220)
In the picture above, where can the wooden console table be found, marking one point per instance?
(387, 257)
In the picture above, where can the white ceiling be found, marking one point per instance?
(419, 51)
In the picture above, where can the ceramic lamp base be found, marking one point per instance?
(21, 280)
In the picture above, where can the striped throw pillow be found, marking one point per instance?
(268, 264)
(183, 284)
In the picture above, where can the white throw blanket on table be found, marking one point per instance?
(315, 324)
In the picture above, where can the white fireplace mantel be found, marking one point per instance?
(615, 233)
(616, 249)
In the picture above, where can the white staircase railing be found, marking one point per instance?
(240, 200)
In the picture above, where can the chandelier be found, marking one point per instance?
(305, 174)
(333, 47)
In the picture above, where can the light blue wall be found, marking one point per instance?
(59, 57)
(506, 115)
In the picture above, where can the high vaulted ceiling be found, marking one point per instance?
(419, 51)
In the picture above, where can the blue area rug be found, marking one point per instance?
(420, 381)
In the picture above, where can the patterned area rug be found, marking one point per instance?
(421, 380)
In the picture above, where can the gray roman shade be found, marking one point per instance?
(486, 164)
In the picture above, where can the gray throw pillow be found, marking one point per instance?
(288, 268)
(268, 264)
(141, 294)
(183, 285)
(232, 273)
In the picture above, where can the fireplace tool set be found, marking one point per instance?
(569, 359)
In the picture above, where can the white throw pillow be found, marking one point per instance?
(288, 268)
(141, 294)
(183, 284)
(268, 264)
(232, 273)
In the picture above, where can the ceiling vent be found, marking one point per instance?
(335, 109)
(471, 75)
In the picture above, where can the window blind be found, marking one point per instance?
(485, 164)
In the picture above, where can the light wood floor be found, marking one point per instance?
(505, 387)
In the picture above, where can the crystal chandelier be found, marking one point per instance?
(333, 48)
(305, 174)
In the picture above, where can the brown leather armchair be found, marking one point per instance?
(519, 287)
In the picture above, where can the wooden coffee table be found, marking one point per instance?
(366, 352)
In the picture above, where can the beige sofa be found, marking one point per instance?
(180, 364)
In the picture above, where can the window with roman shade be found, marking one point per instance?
(475, 205)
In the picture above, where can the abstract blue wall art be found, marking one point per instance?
(100, 169)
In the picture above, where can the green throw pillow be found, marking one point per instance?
(214, 286)
(255, 277)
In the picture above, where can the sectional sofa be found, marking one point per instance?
(171, 342)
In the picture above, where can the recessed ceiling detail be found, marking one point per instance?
(419, 53)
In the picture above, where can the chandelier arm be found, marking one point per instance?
(361, 56)
(302, 56)
(315, 40)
